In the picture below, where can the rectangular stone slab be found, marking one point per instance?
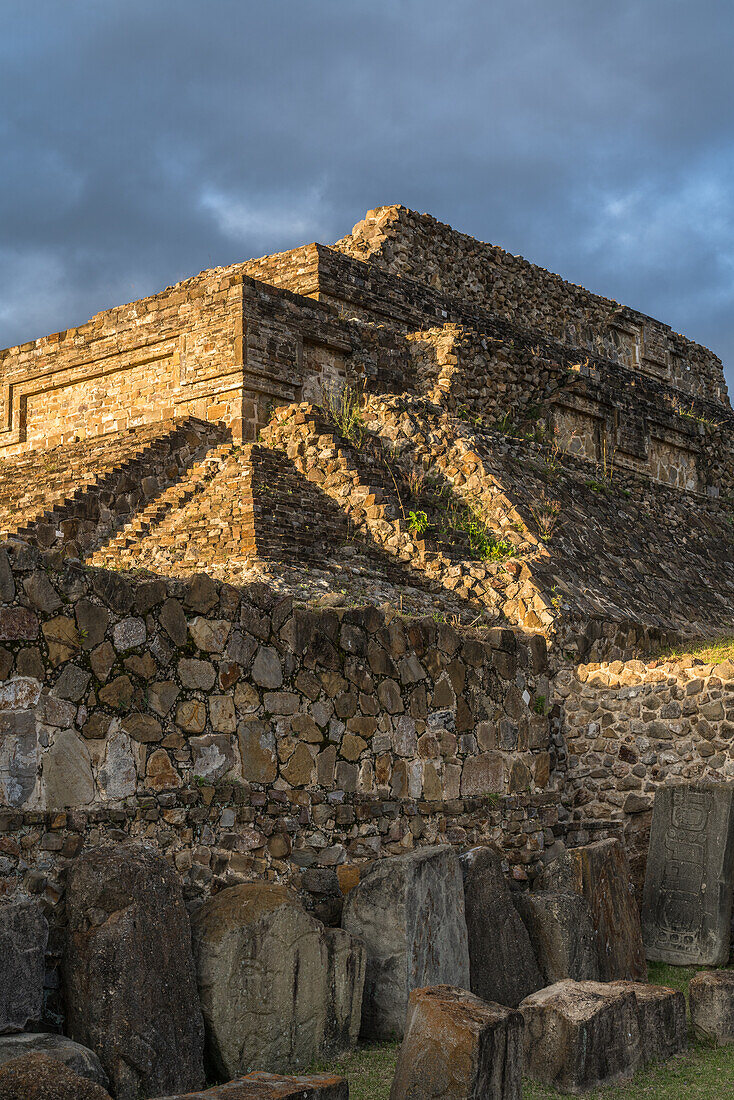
(687, 902)
(272, 1086)
(458, 1047)
(581, 1035)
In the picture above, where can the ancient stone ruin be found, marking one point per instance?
(336, 589)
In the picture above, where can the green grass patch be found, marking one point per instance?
(712, 652)
(702, 1073)
(369, 1068)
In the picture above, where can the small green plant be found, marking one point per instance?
(539, 704)
(418, 522)
(546, 514)
(344, 408)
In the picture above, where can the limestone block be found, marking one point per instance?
(67, 772)
(580, 1035)
(18, 758)
(711, 996)
(409, 910)
(38, 1077)
(502, 963)
(687, 901)
(661, 1015)
(562, 934)
(23, 939)
(276, 987)
(81, 1060)
(213, 755)
(458, 1047)
(117, 777)
(600, 872)
(273, 1086)
(129, 977)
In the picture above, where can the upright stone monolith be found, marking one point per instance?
(687, 903)
(600, 872)
(409, 910)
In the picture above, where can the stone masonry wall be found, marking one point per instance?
(418, 247)
(342, 731)
(631, 726)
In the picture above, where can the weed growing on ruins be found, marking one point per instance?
(689, 413)
(418, 522)
(539, 704)
(546, 514)
(344, 408)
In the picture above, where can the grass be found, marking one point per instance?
(701, 1073)
(712, 652)
(369, 1068)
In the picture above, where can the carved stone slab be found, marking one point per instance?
(687, 903)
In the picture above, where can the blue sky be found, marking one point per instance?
(144, 140)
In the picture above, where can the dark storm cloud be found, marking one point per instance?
(143, 141)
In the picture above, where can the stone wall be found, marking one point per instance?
(344, 732)
(418, 247)
(219, 346)
(632, 726)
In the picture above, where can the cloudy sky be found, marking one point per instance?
(144, 140)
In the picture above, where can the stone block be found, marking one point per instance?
(81, 1060)
(129, 978)
(276, 987)
(580, 1035)
(562, 934)
(687, 900)
(502, 963)
(23, 939)
(458, 1047)
(600, 873)
(409, 910)
(273, 1086)
(711, 995)
(38, 1077)
(661, 1015)
(67, 772)
(346, 967)
(18, 758)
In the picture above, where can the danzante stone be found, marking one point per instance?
(687, 902)
(129, 976)
(409, 910)
(502, 963)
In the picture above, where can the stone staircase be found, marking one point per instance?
(373, 488)
(73, 497)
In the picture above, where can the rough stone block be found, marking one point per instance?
(23, 939)
(276, 987)
(661, 1015)
(600, 873)
(18, 758)
(458, 1047)
(502, 964)
(79, 1059)
(580, 1035)
(272, 1086)
(687, 901)
(129, 974)
(38, 1077)
(409, 910)
(346, 966)
(711, 995)
(562, 934)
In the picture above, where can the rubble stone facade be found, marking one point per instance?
(281, 642)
